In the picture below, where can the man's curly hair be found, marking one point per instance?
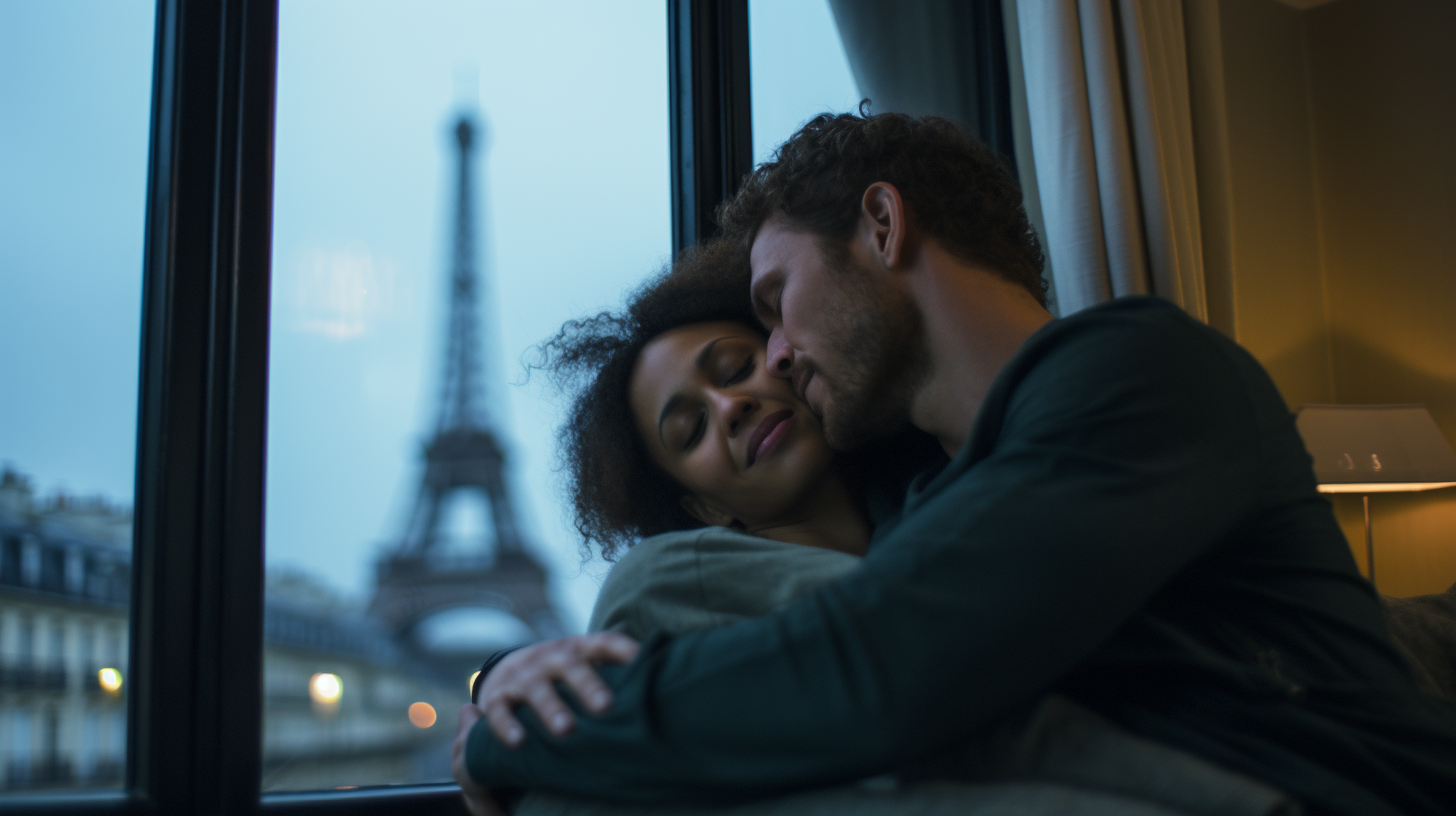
(956, 188)
(618, 492)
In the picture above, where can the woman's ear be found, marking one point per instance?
(700, 510)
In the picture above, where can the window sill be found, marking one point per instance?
(417, 800)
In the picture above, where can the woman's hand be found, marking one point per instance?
(529, 675)
(477, 799)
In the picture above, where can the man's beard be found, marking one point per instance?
(880, 334)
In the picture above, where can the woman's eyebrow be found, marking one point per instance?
(707, 352)
(676, 399)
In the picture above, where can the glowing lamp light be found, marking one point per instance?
(1375, 449)
(325, 688)
(109, 680)
(470, 685)
(421, 715)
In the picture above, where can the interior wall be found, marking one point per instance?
(1340, 127)
(1276, 287)
(1383, 90)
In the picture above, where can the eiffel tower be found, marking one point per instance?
(418, 579)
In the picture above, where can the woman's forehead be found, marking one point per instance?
(692, 337)
(670, 360)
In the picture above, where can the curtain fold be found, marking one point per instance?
(1112, 140)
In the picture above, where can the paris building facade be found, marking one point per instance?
(65, 581)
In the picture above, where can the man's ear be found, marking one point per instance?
(700, 510)
(883, 223)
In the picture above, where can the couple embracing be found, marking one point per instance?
(931, 509)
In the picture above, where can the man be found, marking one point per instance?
(1129, 518)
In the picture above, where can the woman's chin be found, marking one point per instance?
(793, 474)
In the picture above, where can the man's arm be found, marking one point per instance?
(676, 582)
(1119, 459)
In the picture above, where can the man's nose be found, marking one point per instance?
(780, 355)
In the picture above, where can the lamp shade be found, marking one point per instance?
(1376, 448)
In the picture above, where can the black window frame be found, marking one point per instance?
(711, 140)
(194, 735)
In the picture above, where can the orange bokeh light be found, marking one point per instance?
(422, 715)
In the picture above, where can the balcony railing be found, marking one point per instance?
(23, 677)
(51, 773)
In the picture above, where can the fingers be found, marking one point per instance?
(610, 647)
(588, 687)
(548, 705)
(477, 799)
(468, 715)
(507, 728)
(529, 676)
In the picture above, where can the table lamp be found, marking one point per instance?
(1375, 449)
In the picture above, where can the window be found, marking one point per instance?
(799, 69)
(75, 87)
(194, 688)
(402, 547)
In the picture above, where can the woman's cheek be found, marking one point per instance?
(708, 469)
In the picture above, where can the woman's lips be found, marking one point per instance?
(769, 433)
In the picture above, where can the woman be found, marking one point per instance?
(677, 424)
(628, 482)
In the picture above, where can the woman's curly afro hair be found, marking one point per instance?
(618, 493)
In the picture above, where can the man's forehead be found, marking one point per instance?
(775, 247)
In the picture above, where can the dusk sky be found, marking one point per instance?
(572, 205)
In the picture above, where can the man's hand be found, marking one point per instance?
(529, 675)
(477, 799)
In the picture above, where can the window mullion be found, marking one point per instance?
(709, 111)
(197, 582)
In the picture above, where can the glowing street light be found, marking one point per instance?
(325, 688)
(422, 715)
(110, 681)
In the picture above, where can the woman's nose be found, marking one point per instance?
(735, 409)
(780, 355)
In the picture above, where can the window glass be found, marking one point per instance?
(75, 96)
(414, 521)
(797, 68)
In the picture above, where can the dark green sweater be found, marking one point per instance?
(1133, 521)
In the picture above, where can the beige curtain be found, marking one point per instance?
(1111, 147)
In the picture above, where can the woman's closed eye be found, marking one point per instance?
(742, 373)
(699, 428)
(700, 424)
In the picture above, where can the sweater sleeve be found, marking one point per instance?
(1105, 459)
